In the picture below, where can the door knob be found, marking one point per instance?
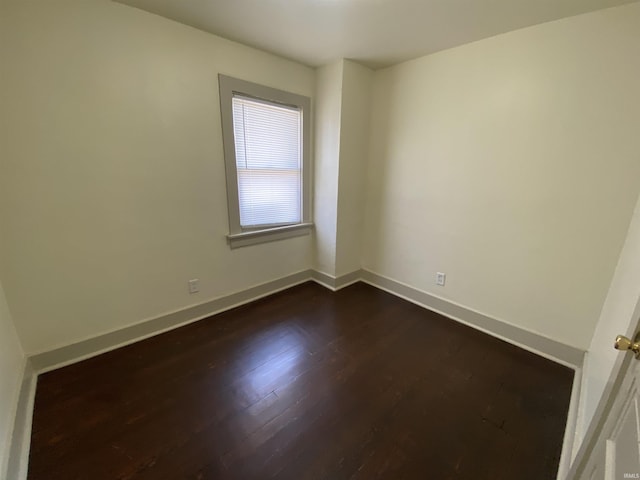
(624, 343)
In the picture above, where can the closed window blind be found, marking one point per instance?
(268, 148)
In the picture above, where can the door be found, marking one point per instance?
(611, 449)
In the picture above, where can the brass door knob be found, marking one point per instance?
(624, 343)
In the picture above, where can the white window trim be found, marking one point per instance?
(238, 236)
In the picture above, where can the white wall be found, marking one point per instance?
(511, 164)
(328, 101)
(112, 187)
(11, 369)
(500, 163)
(354, 139)
(343, 96)
(616, 318)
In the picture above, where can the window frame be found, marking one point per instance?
(239, 236)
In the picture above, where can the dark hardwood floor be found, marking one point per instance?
(306, 384)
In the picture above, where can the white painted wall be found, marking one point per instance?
(616, 318)
(328, 102)
(11, 370)
(354, 140)
(112, 187)
(343, 96)
(511, 164)
(500, 162)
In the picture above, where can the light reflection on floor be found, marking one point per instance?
(270, 368)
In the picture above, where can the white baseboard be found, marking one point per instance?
(569, 440)
(336, 283)
(7, 435)
(564, 354)
(56, 358)
(552, 349)
(66, 355)
(18, 460)
(21, 439)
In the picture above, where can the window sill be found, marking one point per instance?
(244, 239)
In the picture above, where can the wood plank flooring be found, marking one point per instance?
(306, 384)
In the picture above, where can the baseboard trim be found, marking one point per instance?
(336, 283)
(59, 357)
(348, 279)
(66, 355)
(568, 442)
(324, 279)
(565, 354)
(17, 464)
(18, 461)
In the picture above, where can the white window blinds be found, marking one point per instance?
(268, 147)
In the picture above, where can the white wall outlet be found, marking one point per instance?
(194, 285)
(440, 278)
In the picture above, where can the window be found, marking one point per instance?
(266, 150)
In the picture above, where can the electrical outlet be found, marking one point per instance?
(194, 286)
(440, 278)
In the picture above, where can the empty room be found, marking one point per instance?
(319, 239)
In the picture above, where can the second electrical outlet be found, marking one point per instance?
(440, 278)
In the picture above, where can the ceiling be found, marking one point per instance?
(376, 33)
